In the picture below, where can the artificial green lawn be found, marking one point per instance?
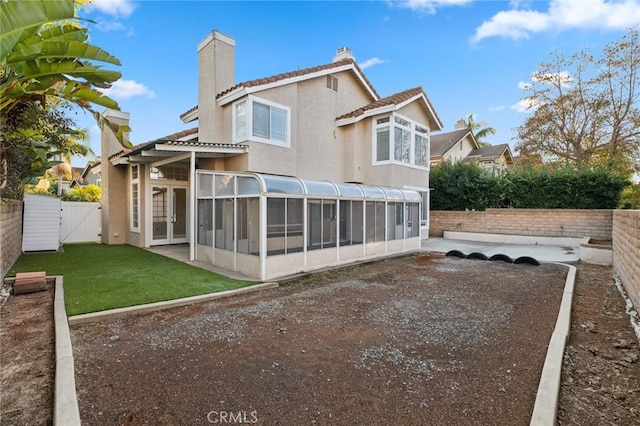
(99, 277)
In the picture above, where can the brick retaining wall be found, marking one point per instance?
(10, 234)
(596, 224)
(626, 251)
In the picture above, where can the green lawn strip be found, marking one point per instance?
(99, 277)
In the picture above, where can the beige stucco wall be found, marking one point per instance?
(11, 234)
(317, 145)
(626, 251)
(216, 68)
(114, 183)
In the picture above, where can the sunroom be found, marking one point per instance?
(268, 227)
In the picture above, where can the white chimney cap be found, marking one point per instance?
(343, 53)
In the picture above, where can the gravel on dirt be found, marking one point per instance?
(421, 339)
(322, 350)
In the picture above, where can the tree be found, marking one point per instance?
(44, 56)
(480, 129)
(585, 108)
(35, 139)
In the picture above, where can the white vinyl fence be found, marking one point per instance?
(48, 223)
(80, 223)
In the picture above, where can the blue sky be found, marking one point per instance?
(470, 56)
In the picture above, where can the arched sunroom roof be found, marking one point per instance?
(248, 184)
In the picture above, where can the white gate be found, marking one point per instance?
(81, 222)
(48, 223)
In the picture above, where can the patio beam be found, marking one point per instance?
(170, 160)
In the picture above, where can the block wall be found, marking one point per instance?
(626, 251)
(596, 224)
(10, 234)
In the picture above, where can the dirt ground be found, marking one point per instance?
(27, 356)
(418, 340)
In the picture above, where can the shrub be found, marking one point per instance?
(464, 186)
(87, 193)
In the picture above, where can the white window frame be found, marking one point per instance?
(249, 137)
(134, 181)
(390, 124)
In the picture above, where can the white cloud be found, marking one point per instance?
(125, 89)
(525, 105)
(496, 108)
(563, 78)
(110, 26)
(428, 6)
(523, 85)
(371, 62)
(118, 8)
(561, 15)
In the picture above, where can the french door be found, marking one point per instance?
(169, 210)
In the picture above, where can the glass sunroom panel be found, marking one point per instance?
(380, 228)
(373, 192)
(357, 222)
(316, 188)
(224, 185)
(248, 185)
(314, 224)
(371, 222)
(276, 225)
(411, 195)
(394, 194)
(283, 185)
(329, 233)
(349, 190)
(248, 220)
(345, 223)
(205, 222)
(205, 185)
(224, 224)
(413, 220)
(295, 225)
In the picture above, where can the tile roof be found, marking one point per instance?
(292, 74)
(297, 73)
(489, 151)
(395, 99)
(442, 142)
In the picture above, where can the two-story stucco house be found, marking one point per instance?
(460, 145)
(294, 172)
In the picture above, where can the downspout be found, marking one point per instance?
(192, 205)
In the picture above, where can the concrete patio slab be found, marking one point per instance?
(542, 253)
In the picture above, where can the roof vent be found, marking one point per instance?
(343, 53)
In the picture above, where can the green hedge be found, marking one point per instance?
(465, 186)
(90, 193)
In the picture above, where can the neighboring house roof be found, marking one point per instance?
(256, 85)
(490, 152)
(394, 101)
(443, 142)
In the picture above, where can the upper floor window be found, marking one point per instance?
(400, 140)
(256, 119)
